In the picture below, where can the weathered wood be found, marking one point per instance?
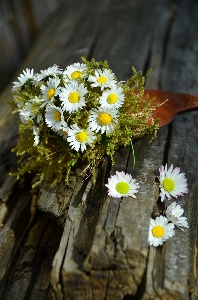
(104, 252)
(12, 234)
(30, 276)
(20, 24)
(177, 261)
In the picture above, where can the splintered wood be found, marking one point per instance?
(77, 243)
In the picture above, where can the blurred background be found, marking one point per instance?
(20, 23)
(159, 34)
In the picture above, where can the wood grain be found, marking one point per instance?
(99, 250)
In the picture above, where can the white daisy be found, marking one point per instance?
(173, 213)
(75, 71)
(50, 90)
(35, 104)
(27, 74)
(80, 138)
(172, 182)
(36, 132)
(73, 96)
(26, 116)
(122, 185)
(54, 117)
(51, 71)
(112, 98)
(160, 230)
(103, 120)
(30, 112)
(103, 79)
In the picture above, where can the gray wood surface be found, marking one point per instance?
(20, 22)
(77, 243)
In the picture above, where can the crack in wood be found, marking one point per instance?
(147, 63)
(173, 12)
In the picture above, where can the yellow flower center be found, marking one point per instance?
(57, 116)
(104, 119)
(158, 231)
(112, 98)
(73, 97)
(50, 93)
(81, 137)
(76, 75)
(122, 187)
(102, 79)
(168, 184)
(64, 132)
(29, 122)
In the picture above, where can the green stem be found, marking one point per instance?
(132, 148)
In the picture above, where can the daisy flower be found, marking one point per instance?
(103, 120)
(27, 74)
(122, 185)
(172, 182)
(50, 90)
(30, 112)
(51, 71)
(73, 96)
(35, 105)
(103, 79)
(54, 117)
(160, 231)
(112, 98)
(75, 71)
(173, 213)
(26, 116)
(80, 138)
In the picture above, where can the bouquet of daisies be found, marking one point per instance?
(77, 115)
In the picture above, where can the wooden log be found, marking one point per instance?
(104, 252)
